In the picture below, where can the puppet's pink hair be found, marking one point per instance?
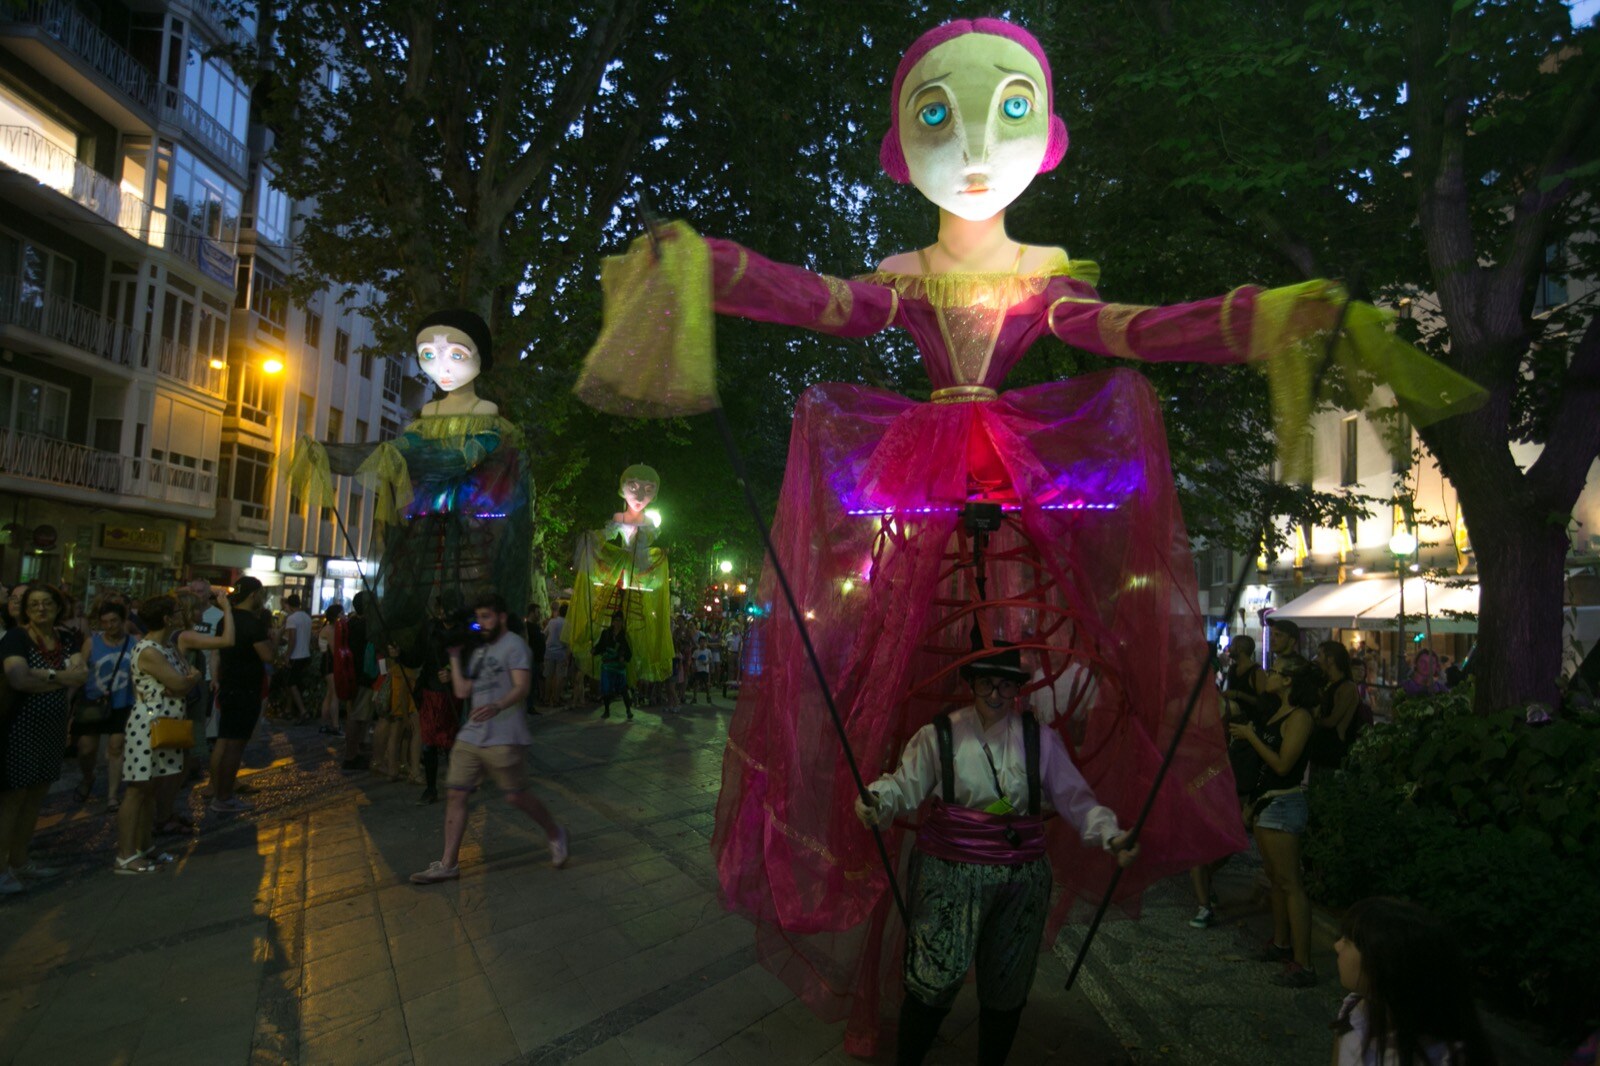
(893, 158)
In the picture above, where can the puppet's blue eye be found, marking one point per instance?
(934, 115)
(1016, 107)
(425, 354)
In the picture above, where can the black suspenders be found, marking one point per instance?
(1030, 749)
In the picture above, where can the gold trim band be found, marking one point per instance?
(964, 394)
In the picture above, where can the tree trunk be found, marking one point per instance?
(1521, 557)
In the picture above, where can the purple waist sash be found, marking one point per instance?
(960, 834)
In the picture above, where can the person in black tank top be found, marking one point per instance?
(1280, 818)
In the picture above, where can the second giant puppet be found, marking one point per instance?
(619, 570)
(1077, 556)
(453, 496)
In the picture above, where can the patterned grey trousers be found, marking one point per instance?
(961, 912)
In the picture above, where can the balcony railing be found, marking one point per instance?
(89, 331)
(84, 39)
(185, 240)
(84, 328)
(170, 482)
(25, 149)
(182, 363)
(40, 458)
(187, 114)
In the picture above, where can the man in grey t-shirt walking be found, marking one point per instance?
(494, 741)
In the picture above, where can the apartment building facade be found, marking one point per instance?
(151, 367)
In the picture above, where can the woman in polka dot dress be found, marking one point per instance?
(161, 680)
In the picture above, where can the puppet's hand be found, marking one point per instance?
(1123, 851)
(876, 816)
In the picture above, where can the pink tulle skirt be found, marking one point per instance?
(1091, 574)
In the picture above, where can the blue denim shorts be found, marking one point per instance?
(1287, 813)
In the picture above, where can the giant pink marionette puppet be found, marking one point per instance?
(1089, 573)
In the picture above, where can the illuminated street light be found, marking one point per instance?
(1403, 543)
(273, 366)
(218, 364)
(725, 566)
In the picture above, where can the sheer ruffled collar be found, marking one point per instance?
(995, 287)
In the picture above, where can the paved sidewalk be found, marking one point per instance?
(292, 935)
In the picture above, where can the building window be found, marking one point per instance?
(1348, 474)
(366, 363)
(352, 521)
(388, 429)
(1402, 452)
(341, 347)
(36, 271)
(220, 92)
(335, 425)
(1219, 566)
(314, 329)
(246, 476)
(272, 210)
(255, 396)
(391, 381)
(200, 196)
(362, 429)
(267, 294)
(31, 406)
(1551, 288)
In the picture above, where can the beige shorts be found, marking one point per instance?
(361, 706)
(470, 764)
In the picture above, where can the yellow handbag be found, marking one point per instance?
(167, 734)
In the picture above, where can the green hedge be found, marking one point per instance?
(1492, 823)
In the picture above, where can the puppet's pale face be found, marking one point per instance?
(638, 493)
(974, 124)
(448, 356)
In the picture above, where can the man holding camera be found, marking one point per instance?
(494, 680)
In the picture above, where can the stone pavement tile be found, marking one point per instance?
(409, 942)
(610, 1053)
(417, 905)
(435, 971)
(487, 1040)
(337, 912)
(597, 950)
(550, 1014)
(787, 1036)
(20, 1011)
(334, 970)
(446, 1009)
(658, 966)
(703, 1021)
(210, 1046)
(330, 1011)
(113, 1046)
(518, 978)
(198, 1010)
(374, 1038)
(333, 939)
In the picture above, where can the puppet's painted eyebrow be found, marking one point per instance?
(1016, 73)
(930, 81)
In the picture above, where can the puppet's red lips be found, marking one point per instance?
(974, 190)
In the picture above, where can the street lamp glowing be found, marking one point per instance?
(1404, 542)
(273, 366)
(218, 364)
(725, 566)
(741, 590)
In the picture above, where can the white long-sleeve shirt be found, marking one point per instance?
(1062, 788)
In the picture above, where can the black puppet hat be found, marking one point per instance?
(467, 322)
(1004, 662)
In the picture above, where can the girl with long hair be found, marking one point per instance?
(1409, 1004)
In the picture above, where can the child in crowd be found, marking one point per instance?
(702, 671)
(1408, 1004)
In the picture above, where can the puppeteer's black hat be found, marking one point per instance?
(467, 322)
(1003, 662)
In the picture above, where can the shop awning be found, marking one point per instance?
(1428, 605)
(1333, 606)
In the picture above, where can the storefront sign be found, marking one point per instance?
(132, 538)
(1256, 598)
(261, 561)
(341, 568)
(217, 553)
(296, 564)
(44, 536)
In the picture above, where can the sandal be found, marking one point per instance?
(134, 864)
